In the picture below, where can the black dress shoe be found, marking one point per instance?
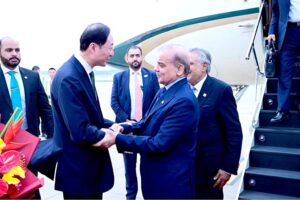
(280, 116)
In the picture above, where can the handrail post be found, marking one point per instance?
(255, 31)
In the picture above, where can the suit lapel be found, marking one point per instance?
(4, 89)
(145, 78)
(160, 103)
(87, 85)
(167, 97)
(26, 83)
(205, 91)
(125, 85)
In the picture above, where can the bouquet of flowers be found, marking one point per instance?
(16, 149)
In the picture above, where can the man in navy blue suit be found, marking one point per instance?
(285, 30)
(130, 105)
(84, 171)
(219, 137)
(167, 139)
(34, 100)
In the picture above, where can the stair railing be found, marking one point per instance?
(251, 47)
(260, 82)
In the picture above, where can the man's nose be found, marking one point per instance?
(14, 52)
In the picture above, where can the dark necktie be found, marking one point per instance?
(161, 92)
(92, 76)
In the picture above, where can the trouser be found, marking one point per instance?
(130, 175)
(288, 54)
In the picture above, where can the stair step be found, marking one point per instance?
(275, 157)
(276, 181)
(270, 101)
(280, 137)
(272, 85)
(252, 195)
(291, 122)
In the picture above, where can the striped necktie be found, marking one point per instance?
(15, 93)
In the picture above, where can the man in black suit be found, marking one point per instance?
(34, 100)
(219, 129)
(83, 170)
(132, 93)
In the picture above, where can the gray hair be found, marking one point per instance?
(180, 56)
(204, 57)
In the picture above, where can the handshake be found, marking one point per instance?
(110, 135)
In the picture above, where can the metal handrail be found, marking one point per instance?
(251, 45)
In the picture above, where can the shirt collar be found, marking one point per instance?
(139, 72)
(171, 84)
(85, 65)
(199, 85)
(6, 70)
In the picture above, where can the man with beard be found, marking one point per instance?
(20, 87)
(32, 98)
(132, 93)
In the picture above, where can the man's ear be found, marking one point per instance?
(205, 66)
(180, 70)
(125, 58)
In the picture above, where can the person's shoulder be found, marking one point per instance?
(121, 73)
(148, 70)
(28, 72)
(23, 69)
(218, 82)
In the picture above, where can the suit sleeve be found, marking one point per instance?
(178, 125)
(115, 101)
(275, 18)
(44, 109)
(74, 110)
(232, 129)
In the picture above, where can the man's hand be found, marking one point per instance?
(221, 179)
(108, 140)
(117, 128)
(271, 37)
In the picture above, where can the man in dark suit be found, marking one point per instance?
(129, 104)
(285, 30)
(34, 101)
(168, 132)
(83, 170)
(219, 129)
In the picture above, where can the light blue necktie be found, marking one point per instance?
(15, 93)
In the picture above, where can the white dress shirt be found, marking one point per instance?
(198, 86)
(21, 88)
(294, 13)
(88, 69)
